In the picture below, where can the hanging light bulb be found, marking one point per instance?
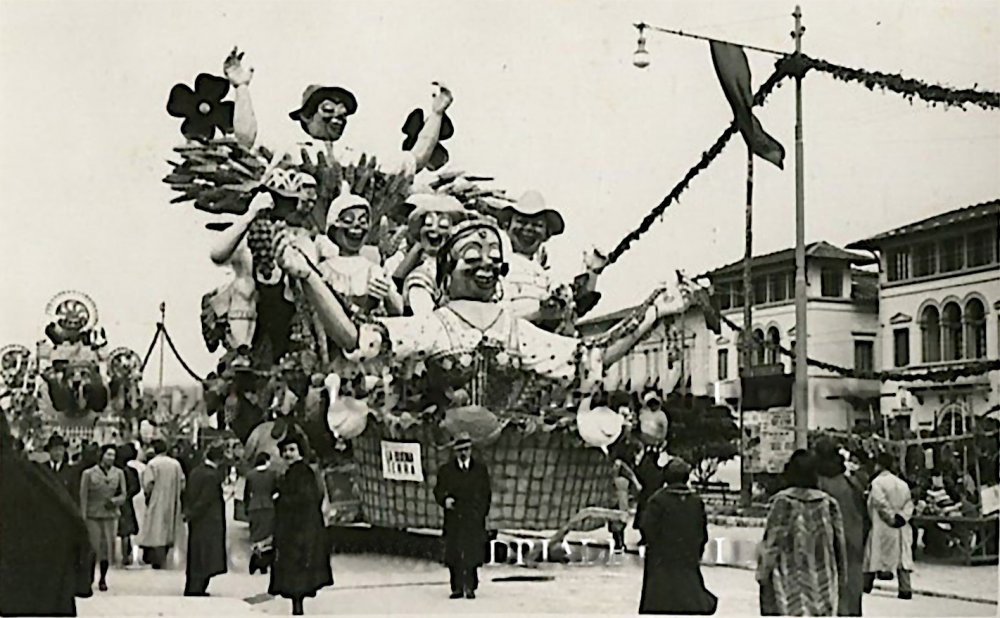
(641, 57)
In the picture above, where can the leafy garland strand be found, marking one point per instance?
(909, 88)
(707, 158)
(798, 65)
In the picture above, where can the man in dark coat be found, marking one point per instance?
(463, 489)
(676, 532)
(205, 512)
(45, 555)
(850, 495)
(58, 464)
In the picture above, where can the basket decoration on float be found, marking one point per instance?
(540, 479)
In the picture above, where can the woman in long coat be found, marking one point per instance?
(205, 512)
(45, 556)
(850, 495)
(301, 554)
(802, 566)
(128, 524)
(676, 532)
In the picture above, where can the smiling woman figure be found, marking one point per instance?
(429, 224)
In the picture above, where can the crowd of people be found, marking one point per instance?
(65, 522)
(830, 534)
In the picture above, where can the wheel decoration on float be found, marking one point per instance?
(73, 315)
(15, 366)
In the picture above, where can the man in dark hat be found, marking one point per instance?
(463, 489)
(323, 116)
(58, 464)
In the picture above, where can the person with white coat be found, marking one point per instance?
(889, 549)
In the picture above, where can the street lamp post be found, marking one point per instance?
(801, 283)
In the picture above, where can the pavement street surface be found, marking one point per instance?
(372, 578)
(369, 584)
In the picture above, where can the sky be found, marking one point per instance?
(546, 98)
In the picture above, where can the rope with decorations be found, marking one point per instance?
(931, 375)
(797, 65)
(707, 158)
(933, 94)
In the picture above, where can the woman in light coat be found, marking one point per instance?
(102, 494)
(889, 548)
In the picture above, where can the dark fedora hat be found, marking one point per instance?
(54, 441)
(314, 93)
(463, 439)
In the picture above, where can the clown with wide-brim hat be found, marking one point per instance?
(323, 114)
(529, 289)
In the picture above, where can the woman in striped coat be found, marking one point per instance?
(802, 562)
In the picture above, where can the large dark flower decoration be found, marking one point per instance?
(202, 109)
(414, 123)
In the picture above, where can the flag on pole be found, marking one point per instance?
(734, 74)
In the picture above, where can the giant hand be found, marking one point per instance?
(237, 74)
(442, 99)
(296, 253)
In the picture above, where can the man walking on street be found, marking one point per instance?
(56, 448)
(205, 512)
(889, 548)
(463, 489)
(163, 485)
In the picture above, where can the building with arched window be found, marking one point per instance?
(842, 309)
(939, 308)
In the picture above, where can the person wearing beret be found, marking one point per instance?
(463, 489)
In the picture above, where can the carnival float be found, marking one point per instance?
(72, 383)
(379, 306)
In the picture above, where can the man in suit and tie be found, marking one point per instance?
(58, 464)
(463, 489)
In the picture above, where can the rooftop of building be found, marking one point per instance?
(960, 215)
(816, 250)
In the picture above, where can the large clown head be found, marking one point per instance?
(431, 220)
(471, 261)
(529, 224)
(324, 111)
(348, 221)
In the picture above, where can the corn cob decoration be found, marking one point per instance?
(219, 175)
